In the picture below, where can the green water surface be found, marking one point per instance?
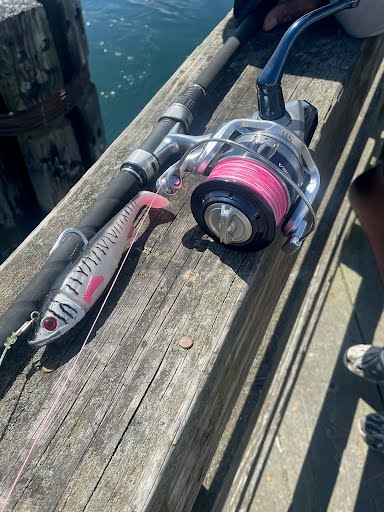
(136, 45)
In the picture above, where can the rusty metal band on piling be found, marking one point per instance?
(39, 116)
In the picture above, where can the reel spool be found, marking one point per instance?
(241, 203)
(244, 199)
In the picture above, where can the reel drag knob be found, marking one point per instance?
(228, 223)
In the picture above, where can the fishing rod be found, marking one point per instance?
(259, 176)
(136, 173)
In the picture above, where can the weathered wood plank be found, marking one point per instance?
(138, 425)
(245, 453)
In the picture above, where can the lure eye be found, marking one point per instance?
(50, 323)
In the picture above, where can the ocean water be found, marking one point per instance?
(136, 45)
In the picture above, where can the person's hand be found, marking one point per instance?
(289, 11)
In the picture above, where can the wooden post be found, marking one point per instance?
(66, 21)
(10, 188)
(67, 26)
(56, 154)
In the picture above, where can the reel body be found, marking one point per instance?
(259, 176)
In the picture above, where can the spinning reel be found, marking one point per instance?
(259, 172)
(259, 175)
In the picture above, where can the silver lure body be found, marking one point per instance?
(81, 285)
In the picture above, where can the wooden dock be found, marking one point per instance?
(137, 426)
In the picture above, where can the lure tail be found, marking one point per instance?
(151, 199)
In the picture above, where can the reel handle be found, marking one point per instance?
(269, 92)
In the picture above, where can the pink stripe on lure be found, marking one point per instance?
(130, 234)
(94, 283)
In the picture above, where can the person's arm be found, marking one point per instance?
(289, 11)
(367, 199)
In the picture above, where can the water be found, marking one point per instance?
(136, 45)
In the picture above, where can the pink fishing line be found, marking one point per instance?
(256, 177)
(41, 429)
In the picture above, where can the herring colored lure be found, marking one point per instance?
(77, 290)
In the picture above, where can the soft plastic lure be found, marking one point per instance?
(79, 287)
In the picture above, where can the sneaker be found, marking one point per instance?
(372, 429)
(366, 361)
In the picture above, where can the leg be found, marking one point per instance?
(367, 199)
